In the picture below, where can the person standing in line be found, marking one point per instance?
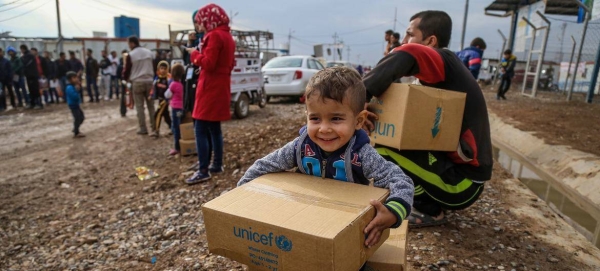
(122, 85)
(91, 76)
(42, 68)
(74, 101)
(5, 82)
(62, 67)
(17, 78)
(388, 40)
(77, 67)
(507, 72)
(139, 71)
(216, 61)
(395, 41)
(175, 94)
(472, 55)
(52, 80)
(31, 75)
(106, 71)
(114, 81)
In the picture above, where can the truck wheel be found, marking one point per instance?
(242, 106)
(262, 99)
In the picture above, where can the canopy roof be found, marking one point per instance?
(557, 7)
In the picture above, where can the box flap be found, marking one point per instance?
(298, 202)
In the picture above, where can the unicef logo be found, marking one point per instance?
(283, 243)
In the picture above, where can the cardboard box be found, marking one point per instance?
(413, 117)
(293, 222)
(187, 131)
(188, 147)
(391, 256)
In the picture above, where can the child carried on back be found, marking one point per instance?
(333, 145)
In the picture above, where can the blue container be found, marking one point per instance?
(127, 26)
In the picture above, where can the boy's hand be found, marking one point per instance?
(368, 125)
(383, 220)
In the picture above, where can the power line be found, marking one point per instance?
(10, 3)
(364, 29)
(16, 6)
(75, 24)
(27, 12)
(138, 14)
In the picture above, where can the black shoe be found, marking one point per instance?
(198, 177)
(503, 98)
(216, 170)
(141, 132)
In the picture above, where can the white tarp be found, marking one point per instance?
(595, 10)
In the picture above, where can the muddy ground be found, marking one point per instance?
(75, 204)
(551, 117)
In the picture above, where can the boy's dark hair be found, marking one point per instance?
(177, 72)
(72, 53)
(90, 50)
(339, 83)
(163, 64)
(33, 49)
(397, 35)
(508, 52)
(435, 23)
(124, 51)
(71, 75)
(479, 42)
(23, 47)
(61, 54)
(389, 32)
(134, 40)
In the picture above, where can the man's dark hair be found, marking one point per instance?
(23, 47)
(124, 51)
(479, 42)
(33, 49)
(113, 52)
(397, 35)
(508, 52)
(339, 83)
(90, 50)
(134, 40)
(71, 75)
(435, 23)
(389, 32)
(62, 54)
(71, 53)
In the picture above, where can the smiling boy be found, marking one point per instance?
(333, 145)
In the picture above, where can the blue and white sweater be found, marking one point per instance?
(358, 162)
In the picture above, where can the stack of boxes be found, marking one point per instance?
(187, 142)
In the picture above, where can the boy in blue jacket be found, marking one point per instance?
(73, 100)
(333, 145)
(472, 56)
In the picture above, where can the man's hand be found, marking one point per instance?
(368, 125)
(383, 220)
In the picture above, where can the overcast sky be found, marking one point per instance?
(360, 24)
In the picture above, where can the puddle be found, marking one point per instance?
(566, 207)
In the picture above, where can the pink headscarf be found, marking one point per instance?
(211, 16)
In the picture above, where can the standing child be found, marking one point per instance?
(333, 145)
(175, 93)
(161, 83)
(73, 100)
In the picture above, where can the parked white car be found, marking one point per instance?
(289, 75)
(339, 64)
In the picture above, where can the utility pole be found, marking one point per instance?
(59, 46)
(562, 40)
(335, 43)
(395, 17)
(290, 43)
(462, 37)
(348, 53)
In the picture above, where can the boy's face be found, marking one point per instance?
(162, 70)
(74, 80)
(331, 124)
(506, 56)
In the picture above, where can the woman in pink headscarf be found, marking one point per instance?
(216, 60)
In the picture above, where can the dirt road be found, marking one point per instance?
(75, 204)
